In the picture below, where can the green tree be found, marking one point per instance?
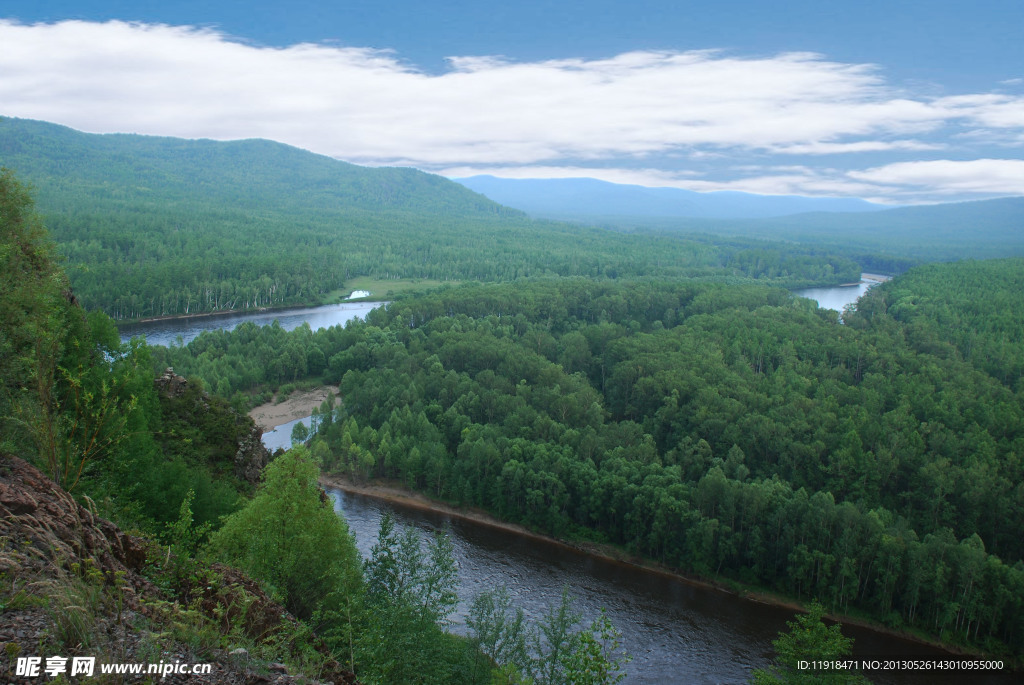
(499, 632)
(300, 433)
(808, 640)
(290, 538)
(410, 594)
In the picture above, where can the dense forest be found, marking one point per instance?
(163, 226)
(726, 431)
(162, 460)
(659, 393)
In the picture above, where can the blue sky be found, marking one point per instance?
(893, 101)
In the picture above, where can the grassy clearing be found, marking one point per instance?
(381, 289)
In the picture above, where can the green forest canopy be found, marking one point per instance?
(162, 226)
(726, 431)
(83, 407)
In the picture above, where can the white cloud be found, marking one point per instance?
(818, 148)
(368, 106)
(943, 176)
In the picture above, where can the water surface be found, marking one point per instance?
(166, 331)
(675, 631)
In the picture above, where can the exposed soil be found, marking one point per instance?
(299, 404)
(74, 584)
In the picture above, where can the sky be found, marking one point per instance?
(895, 101)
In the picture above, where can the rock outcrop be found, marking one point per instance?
(170, 384)
(250, 455)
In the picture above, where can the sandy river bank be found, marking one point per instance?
(299, 404)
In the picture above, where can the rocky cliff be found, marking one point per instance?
(250, 454)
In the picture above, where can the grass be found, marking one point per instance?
(381, 289)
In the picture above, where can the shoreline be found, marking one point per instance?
(200, 315)
(401, 495)
(875, 278)
(230, 312)
(298, 405)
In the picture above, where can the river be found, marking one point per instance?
(675, 631)
(837, 297)
(167, 331)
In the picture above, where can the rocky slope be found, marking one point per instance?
(73, 584)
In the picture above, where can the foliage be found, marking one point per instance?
(554, 651)
(290, 538)
(809, 640)
(971, 310)
(159, 226)
(300, 432)
(722, 430)
(410, 593)
(500, 631)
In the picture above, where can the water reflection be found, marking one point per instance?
(676, 632)
(165, 332)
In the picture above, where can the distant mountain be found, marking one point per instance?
(879, 237)
(587, 199)
(982, 229)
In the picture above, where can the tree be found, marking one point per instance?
(500, 633)
(62, 374)
(598, 659)
(299, 433)
(554, 652)
(291, 538)
(410, 594)
(808, 640)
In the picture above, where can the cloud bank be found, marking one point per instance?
(641, 115)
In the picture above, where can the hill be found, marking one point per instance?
(163, 226)
(888, 239)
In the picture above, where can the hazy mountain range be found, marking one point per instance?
(980, 229)
(131, 185)
(583, 198)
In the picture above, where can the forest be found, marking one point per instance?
(732, 432)
(661, 393)
(83, 408)
(162, 226)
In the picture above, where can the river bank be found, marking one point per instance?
(396, 493)
(201, 315)
(298, 405)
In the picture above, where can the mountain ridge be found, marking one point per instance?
(580, 198)
(28, 146)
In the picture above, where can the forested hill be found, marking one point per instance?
(735, 432)
(122, 169)
(163, 226)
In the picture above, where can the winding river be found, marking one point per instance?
(675, 631)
